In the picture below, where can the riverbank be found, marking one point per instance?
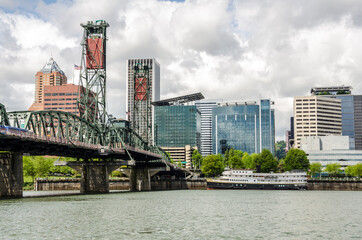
(338, 184)
(73, 184)
(69, 184)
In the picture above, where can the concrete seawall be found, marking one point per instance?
(338, 185)
(46, 184)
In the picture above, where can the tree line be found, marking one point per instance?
(39, 166)
(335, 170)
(214, 165)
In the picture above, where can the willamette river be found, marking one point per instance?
(187, 214)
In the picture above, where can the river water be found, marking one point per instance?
(186, 214)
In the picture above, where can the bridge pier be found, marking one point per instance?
(95, 175)
(140, 177)
(11, 175)
(95, 179)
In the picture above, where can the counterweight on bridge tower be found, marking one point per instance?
(142, 110)
(92, 102)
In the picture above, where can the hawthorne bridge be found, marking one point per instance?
(98, 145)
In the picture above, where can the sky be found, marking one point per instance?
(235, 50)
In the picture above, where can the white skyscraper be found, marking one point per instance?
(140, 93)
(205, 107)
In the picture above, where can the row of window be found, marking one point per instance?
(304, 100)
(47, 104)
(61, 99)
(61, 94)
(60, 108)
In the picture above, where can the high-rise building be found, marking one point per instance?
(64, 98)
(205, 107)
(316, 116)
(177, 126)
(143, 88)
(351, 111)
(245, 126)
(49, 75)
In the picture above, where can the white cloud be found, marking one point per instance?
(234, 50)
(30, 32)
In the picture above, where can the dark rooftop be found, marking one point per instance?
(179, 100)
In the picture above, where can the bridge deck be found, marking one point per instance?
(27, 142)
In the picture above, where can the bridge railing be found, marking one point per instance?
(17, 132)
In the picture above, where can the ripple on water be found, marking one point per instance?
(186, 215)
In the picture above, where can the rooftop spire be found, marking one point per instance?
(51, 66)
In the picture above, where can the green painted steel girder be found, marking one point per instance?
(57, 124)
(4, 120)
(73, 128)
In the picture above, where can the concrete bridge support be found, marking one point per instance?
(11, 175)
(95, 175)
(140, 177)
(94, 179)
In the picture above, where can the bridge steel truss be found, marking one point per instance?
(57, 124)
(68, 128)
(4, 121)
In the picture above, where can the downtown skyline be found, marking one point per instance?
(232, 50)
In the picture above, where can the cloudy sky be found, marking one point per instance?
(233, 50)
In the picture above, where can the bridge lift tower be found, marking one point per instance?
(141, 119)
(92, 99)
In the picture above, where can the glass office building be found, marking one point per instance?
(246, 126)
(351, 106)
(177, 126)
(347, 107)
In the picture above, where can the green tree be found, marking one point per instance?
(28, 167)
(248, 161)
(255, 157)
(42, 166)
(236, 162)
(315, 167)
(355, 170)
(226, 157)
(333, 169)
(235, 159)
(266, 161)
(281, 165)
(349, 170)
(196, 159)
(212, 165)
(296, 159)
(280, 149)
